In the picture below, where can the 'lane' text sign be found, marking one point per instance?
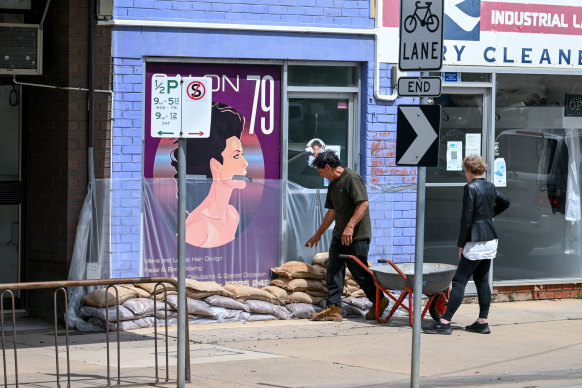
(421, 35)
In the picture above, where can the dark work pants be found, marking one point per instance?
(336, 269)
(480, 271)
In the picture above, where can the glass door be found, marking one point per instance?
(10, 184)
(463, 132)
(316, 122)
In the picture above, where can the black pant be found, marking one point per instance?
(336, 269)
(480, 271)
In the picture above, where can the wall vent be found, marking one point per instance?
(20, 49)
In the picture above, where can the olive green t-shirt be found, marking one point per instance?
(343, 194)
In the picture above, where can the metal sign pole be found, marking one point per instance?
(181, 262)
(417, 287)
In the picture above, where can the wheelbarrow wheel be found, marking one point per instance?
(438, 306)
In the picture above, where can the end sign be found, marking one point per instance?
(421, 35)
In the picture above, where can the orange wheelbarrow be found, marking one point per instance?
(435, 285)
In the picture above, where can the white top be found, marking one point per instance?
(480, 250)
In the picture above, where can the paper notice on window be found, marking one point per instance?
(500, 173)
(473, 144)
(454, 155)
(334, 148)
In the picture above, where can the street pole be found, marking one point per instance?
(181, 262)
(417, 287)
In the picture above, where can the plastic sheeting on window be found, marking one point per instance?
(573, 245)
(128, 228)
(91, 249)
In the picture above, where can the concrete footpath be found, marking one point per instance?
(532, 344)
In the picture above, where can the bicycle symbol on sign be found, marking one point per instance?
(430, 21)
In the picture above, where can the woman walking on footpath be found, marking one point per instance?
(477, 246)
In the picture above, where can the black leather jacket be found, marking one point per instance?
(481, 202)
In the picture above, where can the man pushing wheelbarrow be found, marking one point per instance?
(347, 205)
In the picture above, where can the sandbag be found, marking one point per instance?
(139, 292)
(143, 307)
(321, 268)
(306, 284)
(243, 293)
(86, 312)
(279, 293)
(101, 298)
(304, 297)
(303, 310)
(298, 269)
(320, 258)
(202, 290)
(262, 307)
(359, 293)
(163, 295)
(195, 306)
(351, 311)
(317, 294)
(250, 317)
(361, 303)
(226, 302)
(125, 325)
(151, 287)
(351, 282)
(281, 283)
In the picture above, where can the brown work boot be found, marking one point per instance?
(371, 314)
(330, 313)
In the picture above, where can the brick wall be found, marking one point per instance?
(536, 292)
(322, 13)
(55, 126)
(396, 224)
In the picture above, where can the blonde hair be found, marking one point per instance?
(474, 164)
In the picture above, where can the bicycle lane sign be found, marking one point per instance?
(421, 35)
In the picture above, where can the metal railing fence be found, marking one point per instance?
(60, 286)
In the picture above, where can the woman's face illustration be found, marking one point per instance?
(234, 162)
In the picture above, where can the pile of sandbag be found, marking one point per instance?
(297, 290)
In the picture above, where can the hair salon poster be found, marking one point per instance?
(233, 185)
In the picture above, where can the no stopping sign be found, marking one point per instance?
(196, 90)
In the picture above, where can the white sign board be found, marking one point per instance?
(454, 155)
(419, 86)
(181, 107)
(196, 106)
(421, 35)
(498, 33)
(166, 110)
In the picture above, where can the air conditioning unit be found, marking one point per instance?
(20, 49)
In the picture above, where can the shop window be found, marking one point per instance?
(300, 75)
(322, 116)
(540, 233)
(315, 125)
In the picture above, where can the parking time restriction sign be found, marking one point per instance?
(166, 111)
(180, 106)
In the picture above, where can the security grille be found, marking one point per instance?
(20, 49)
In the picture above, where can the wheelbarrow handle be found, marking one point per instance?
(365, 267)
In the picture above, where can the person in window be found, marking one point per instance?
(214, 222)
(314, 146)
(347, 204)
(477, 246)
